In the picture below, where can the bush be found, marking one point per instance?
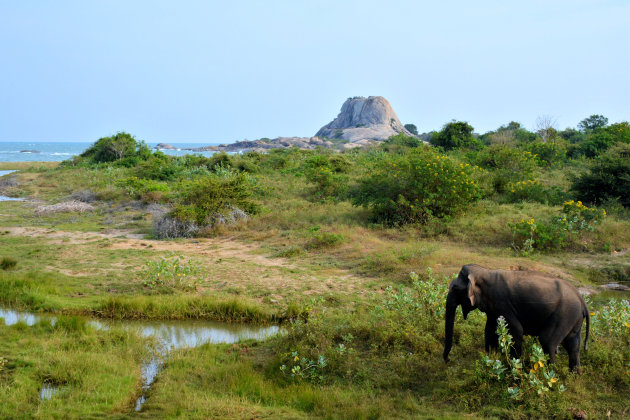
(508, 165)
(601, 139)
(138, 188)
(158, 167)
(210, 198)
(320, 239)
(327, 173)
(166, 227)
(400, 143)
(534, 382)
(608, 178)
(548, 153)
(532, 190)
(575, 218)
(116, 148)
(415, 187)
(171, 272)
(456, 135)
(8, 263)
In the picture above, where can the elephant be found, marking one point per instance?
(531, 302)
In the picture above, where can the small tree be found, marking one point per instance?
(545, 127)
(117, 147)
(455, 135)
(412, 129)
(608, 177)
(592, 123)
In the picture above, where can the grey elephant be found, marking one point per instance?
(531, 302)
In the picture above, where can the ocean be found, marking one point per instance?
(23, 151)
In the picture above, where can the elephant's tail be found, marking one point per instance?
(588, 327)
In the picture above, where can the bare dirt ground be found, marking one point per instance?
(230, 265)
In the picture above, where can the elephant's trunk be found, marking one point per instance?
(449, 321)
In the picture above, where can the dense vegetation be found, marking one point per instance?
(339, 247)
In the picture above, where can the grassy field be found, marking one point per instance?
(364, 337)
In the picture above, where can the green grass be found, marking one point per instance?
(95, 373)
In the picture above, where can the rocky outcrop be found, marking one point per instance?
(362, 118)
(165, 146)
(266, 144)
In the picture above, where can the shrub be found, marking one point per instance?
(601, 139)
(532, 190)
(8, 263)
(415, 187)
(115, 148)
(172, 272)
(158, 167)
(575, 218)
(400, 142)
(137, 187)
(508, 165)
(320, 239)
(548, 153)
(166, 227)
(521, 383)
(327, 173)
(456, 135)
(608, 178)
(207, 199)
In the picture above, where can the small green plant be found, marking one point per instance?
(321, 239)
(511, 371)
(303, 368)
(172, 272)
(424, 297)
(8, 263)
(613, 319)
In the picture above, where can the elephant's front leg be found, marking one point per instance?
(492, 339)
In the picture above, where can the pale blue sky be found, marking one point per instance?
(223, 71)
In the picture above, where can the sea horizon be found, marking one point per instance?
(56, 151)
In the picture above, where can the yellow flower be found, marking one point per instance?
(592, 313)
(627, 325)
(296, 358)
(553, 380)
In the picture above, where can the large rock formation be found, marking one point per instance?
(364, 119)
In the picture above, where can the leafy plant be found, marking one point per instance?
(172, 272)
(510, 371)
(303, 368)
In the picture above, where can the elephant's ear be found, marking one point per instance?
(471, 286)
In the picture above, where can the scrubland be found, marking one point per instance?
(350, 252)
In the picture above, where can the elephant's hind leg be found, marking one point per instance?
(549, 341)
(572, 345)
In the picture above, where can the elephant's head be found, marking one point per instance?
(460, 292)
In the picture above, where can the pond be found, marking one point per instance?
(171, 335)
